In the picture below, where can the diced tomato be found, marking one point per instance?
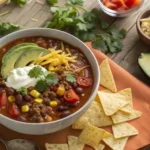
(14, 110)
(84, 81)
(123, 8)
(119, 3)
(70, 96)
(129, 3)
(111, 5)
(105, 1)
(3, 99)
(136, 3)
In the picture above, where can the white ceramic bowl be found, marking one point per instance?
(45, 128)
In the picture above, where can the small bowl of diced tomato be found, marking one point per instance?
(120, 8)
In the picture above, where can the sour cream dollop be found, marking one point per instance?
(19, 77)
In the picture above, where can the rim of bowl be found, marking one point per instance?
(138, 23)
(79, 110)
(120, 12)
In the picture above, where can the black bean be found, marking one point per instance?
(22, 118)
(74, 85)
(79, 90)
(10, 91)
(65, 113)
(27, 98)
(19, 99)
(63, 107)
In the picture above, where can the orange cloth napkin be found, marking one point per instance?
(141, 101)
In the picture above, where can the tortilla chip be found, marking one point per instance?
(100, 147)
(91, 136)
(126, 94)
(74, 143)
(111, 102)
(95, 116)
(121, 116)
(107, 79)
(123, 130)
(115, 144)
(56, 146)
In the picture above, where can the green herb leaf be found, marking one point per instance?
(36, 72)
(52, 1)
(51, 79)
(76, 2)
(70, 77)
(20, 3)
(6, 28)
(41, 86)
(22, 91)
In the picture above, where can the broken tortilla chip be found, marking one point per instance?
(111, 102)
(123, 130)
(115, 144)
(95, 116)
(91, 136)
(121, 116)
(74, 143)
(56, 146)
(107, 79)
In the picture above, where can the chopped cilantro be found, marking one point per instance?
(70, 77)
(41, 86)
(51, 79)
(22, 91)
(36, 72)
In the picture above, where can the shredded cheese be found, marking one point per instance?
(29, 1)
(5, 13)
(33, 19)
(55, 59)
(40, 2)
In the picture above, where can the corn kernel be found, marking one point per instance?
(48, 119)
(53, 103)
(35, 93)
(38, 100)
(25, 108)
(61, 91)
(11, 99)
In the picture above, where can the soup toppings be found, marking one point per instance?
(145, 26)
(121, 5)
(45, 80)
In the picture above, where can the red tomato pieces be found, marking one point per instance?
(121, 5)
(3, 99)
(14, 110)
(70, 96)
(84, 81)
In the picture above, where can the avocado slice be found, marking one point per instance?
(16, 48)
(11, 57)
(144, 63)
(29, 56)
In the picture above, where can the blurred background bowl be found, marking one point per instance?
(143, 36)
(114, 13)
(3, 2)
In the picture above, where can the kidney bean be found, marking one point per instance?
(65, 113)
(79, 90)
(19, 99)
(63, 107)
(27, 98)
(10, 91)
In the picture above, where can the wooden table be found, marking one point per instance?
(133, 46)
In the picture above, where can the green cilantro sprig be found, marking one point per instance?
(6, 28)
(51, 2)
(44, 78)
(70, 77)
(87, 27)
(22, 91)
(20, 3)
